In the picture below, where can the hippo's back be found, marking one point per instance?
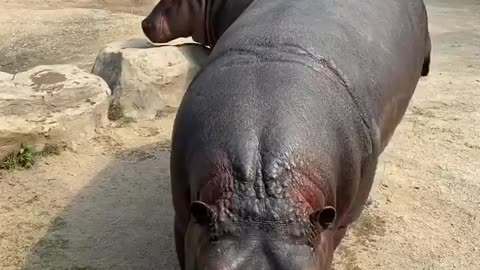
(376, 47)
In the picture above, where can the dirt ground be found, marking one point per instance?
(105, 204)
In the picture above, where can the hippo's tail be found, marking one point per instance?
(426, 60)
(428, 47)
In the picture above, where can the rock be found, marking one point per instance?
(5, 76)
(50, 104)
(148, 81)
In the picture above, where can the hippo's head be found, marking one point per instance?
(171, 19)
(204, 20)
(217, 240)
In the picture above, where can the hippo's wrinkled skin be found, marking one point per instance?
(203, 20)
(276, 142)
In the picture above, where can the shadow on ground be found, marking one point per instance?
(122, 220)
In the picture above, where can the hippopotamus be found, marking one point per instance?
(276, 140)
(203, 20)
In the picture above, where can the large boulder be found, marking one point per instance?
(148, 81)
(5, 76)
(56, 104)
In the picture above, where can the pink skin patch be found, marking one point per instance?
(164, 29)
(219, 184)
(306, 190)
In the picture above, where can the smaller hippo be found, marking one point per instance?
(203, 20)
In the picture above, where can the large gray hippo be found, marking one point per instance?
(276, 141)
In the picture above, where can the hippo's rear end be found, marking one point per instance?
(276, 142)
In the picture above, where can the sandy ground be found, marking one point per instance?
(105, 204)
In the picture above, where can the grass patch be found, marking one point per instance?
(25, 158)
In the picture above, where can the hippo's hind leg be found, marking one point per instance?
(181, 219)
(179, 232)
(338, 237)
(360, 202)
(181, 202)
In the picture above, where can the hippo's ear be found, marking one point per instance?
(202, 213)
(325, 217)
